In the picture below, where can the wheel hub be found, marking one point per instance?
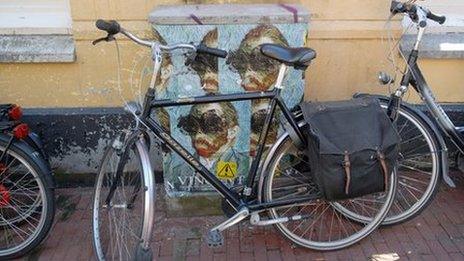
(5, 196)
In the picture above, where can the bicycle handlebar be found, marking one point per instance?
(112, 28)
(417, 13)
(201, 48)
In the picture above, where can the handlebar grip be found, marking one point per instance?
(111, 27)
(441, 19)
(201, 48)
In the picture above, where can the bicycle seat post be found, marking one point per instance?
(280, 77)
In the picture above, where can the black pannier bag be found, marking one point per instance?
(352, 147)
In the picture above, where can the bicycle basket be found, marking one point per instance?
(352, 147)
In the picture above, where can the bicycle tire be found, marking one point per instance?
(435, 180)
(40, 168)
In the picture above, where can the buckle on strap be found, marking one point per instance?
(383, 164)
(346, 166)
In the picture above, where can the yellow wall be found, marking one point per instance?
(348, 42)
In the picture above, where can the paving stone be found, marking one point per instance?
(457, 256)
(193, 247)
(233, 248)
(206, 253)
(219, 256)
(448, 245)
(274, 255)
(286, 251)
(246, 256)
(260, 247)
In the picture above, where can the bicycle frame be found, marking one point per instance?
(236, 200)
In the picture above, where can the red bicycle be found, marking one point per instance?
(26, 186)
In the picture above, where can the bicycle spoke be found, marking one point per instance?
(310, 214)
(314, 222)
(15, 229)
(403, 177)
(414, 168)
(416, 148)
(400, 130)
(400, 192)
(409, 188)
(4, 177)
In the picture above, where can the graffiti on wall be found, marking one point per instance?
(223, 136)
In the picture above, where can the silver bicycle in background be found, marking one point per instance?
(423, 151)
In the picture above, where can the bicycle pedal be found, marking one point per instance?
(214, 239)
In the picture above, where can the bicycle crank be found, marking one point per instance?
(256, 220)
(123, 206)
(214, 238)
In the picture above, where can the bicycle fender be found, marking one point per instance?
(28, 149)
(432, 126)
(149, 182)
(36, 143)
(264, 166)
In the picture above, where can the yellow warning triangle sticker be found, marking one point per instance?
(226, 169)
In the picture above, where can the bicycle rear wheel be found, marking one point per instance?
(123, 202)
(26, 199)
(418, 167)
(322, 225)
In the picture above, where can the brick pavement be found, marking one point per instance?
(438, 234)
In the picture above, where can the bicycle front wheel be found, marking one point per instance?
(321, 224)
(418, 167)
(123, 202)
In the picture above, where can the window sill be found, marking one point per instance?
(37, 49)
(440, 41)
(448, 45)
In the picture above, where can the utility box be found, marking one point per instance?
(223, 135)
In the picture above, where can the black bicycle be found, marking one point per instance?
(123, 208)
(26, 187)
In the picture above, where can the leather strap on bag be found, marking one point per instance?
(381, 158)
(347, 165)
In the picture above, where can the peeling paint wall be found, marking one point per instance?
(75, 139)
